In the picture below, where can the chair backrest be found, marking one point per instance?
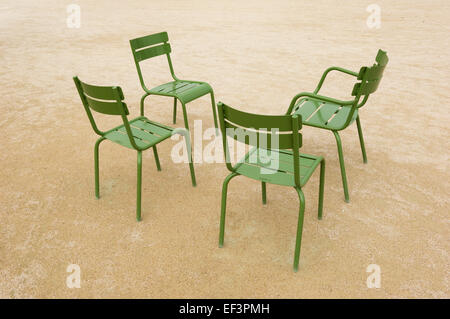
(150, 46)
(102, 99)
(263, 131)
(370, 77)
(106, 100)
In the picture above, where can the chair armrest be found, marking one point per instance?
(333, 68)
(318, 97)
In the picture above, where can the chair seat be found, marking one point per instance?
(278, 168)
(325, 115)
(146, 133)
(185, 91)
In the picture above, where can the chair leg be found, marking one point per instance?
(142, 102)
(187, 139)
(321, 187)
(139, 185)
(264, 199)
(213, 104)
(298, 241)
(341, 162)
(96, 167)
(186, 123)
(174, 110)
(188, 144)
(361, 140)
(155, 153)
(224, 206)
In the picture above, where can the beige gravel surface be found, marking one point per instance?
(256, 55)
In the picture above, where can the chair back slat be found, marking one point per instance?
(104, 107)
(382, 58)
(266, 139)
(257, 121)
(149, 40)
(151, 52)
(365, 88)
(371, 74)
(100, 92)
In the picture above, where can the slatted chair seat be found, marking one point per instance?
(183, 90)
(146, 133)
(282, 165)
(322, 114)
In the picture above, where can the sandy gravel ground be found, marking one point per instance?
(256, 55)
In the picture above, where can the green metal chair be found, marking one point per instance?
(335, 115)
(274, 158)
(185, 91)
(139, 134)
